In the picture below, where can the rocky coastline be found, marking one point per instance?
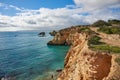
(94, 53)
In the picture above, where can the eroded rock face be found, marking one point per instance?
(53, 33)
(63, 37)
(81, 63)
(58, 40)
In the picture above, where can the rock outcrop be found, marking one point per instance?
(41, 34)
(53, 33)
(65, 36)
(81, 63)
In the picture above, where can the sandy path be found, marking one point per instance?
(111, 39)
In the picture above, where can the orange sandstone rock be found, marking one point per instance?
(81, 63)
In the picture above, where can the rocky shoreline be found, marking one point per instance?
(65, 36)
(85, 60)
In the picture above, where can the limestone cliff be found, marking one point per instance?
(65, 36)
(81, 63)
(94, 53)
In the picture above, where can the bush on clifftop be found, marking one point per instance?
(100, 23)
(94, 40)
(114, 21)
(110, 30)
(86, 30)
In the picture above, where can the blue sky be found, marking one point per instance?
(33, 4)
(18, 15)
(36, 4)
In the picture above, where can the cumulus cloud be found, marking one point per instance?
(84, 12)
(96, 4)
(44, 17)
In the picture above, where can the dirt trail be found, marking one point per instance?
(111, 39)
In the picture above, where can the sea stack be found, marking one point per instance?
(41, 34)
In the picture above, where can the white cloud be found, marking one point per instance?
(96, 4)
(16, 8)
(5, 6)
(82, 13)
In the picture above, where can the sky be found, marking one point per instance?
(18, 15)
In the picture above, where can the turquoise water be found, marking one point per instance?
(25, 56)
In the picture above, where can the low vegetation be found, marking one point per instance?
(108, 48)
(95, 44)
(86, 30)
(114, 21)
(100, 23)
(110, 30)
(94, 40)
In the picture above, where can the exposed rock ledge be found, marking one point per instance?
(81, 63)
(64, 36)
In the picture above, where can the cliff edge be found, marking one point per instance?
(94, 53)
(81, 63)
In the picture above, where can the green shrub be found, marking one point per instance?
(113, 49)
(110, 30)
(94, 40)
(114, 21)
(100, 23)
(86, 30)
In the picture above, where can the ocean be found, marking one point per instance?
(25, 56)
